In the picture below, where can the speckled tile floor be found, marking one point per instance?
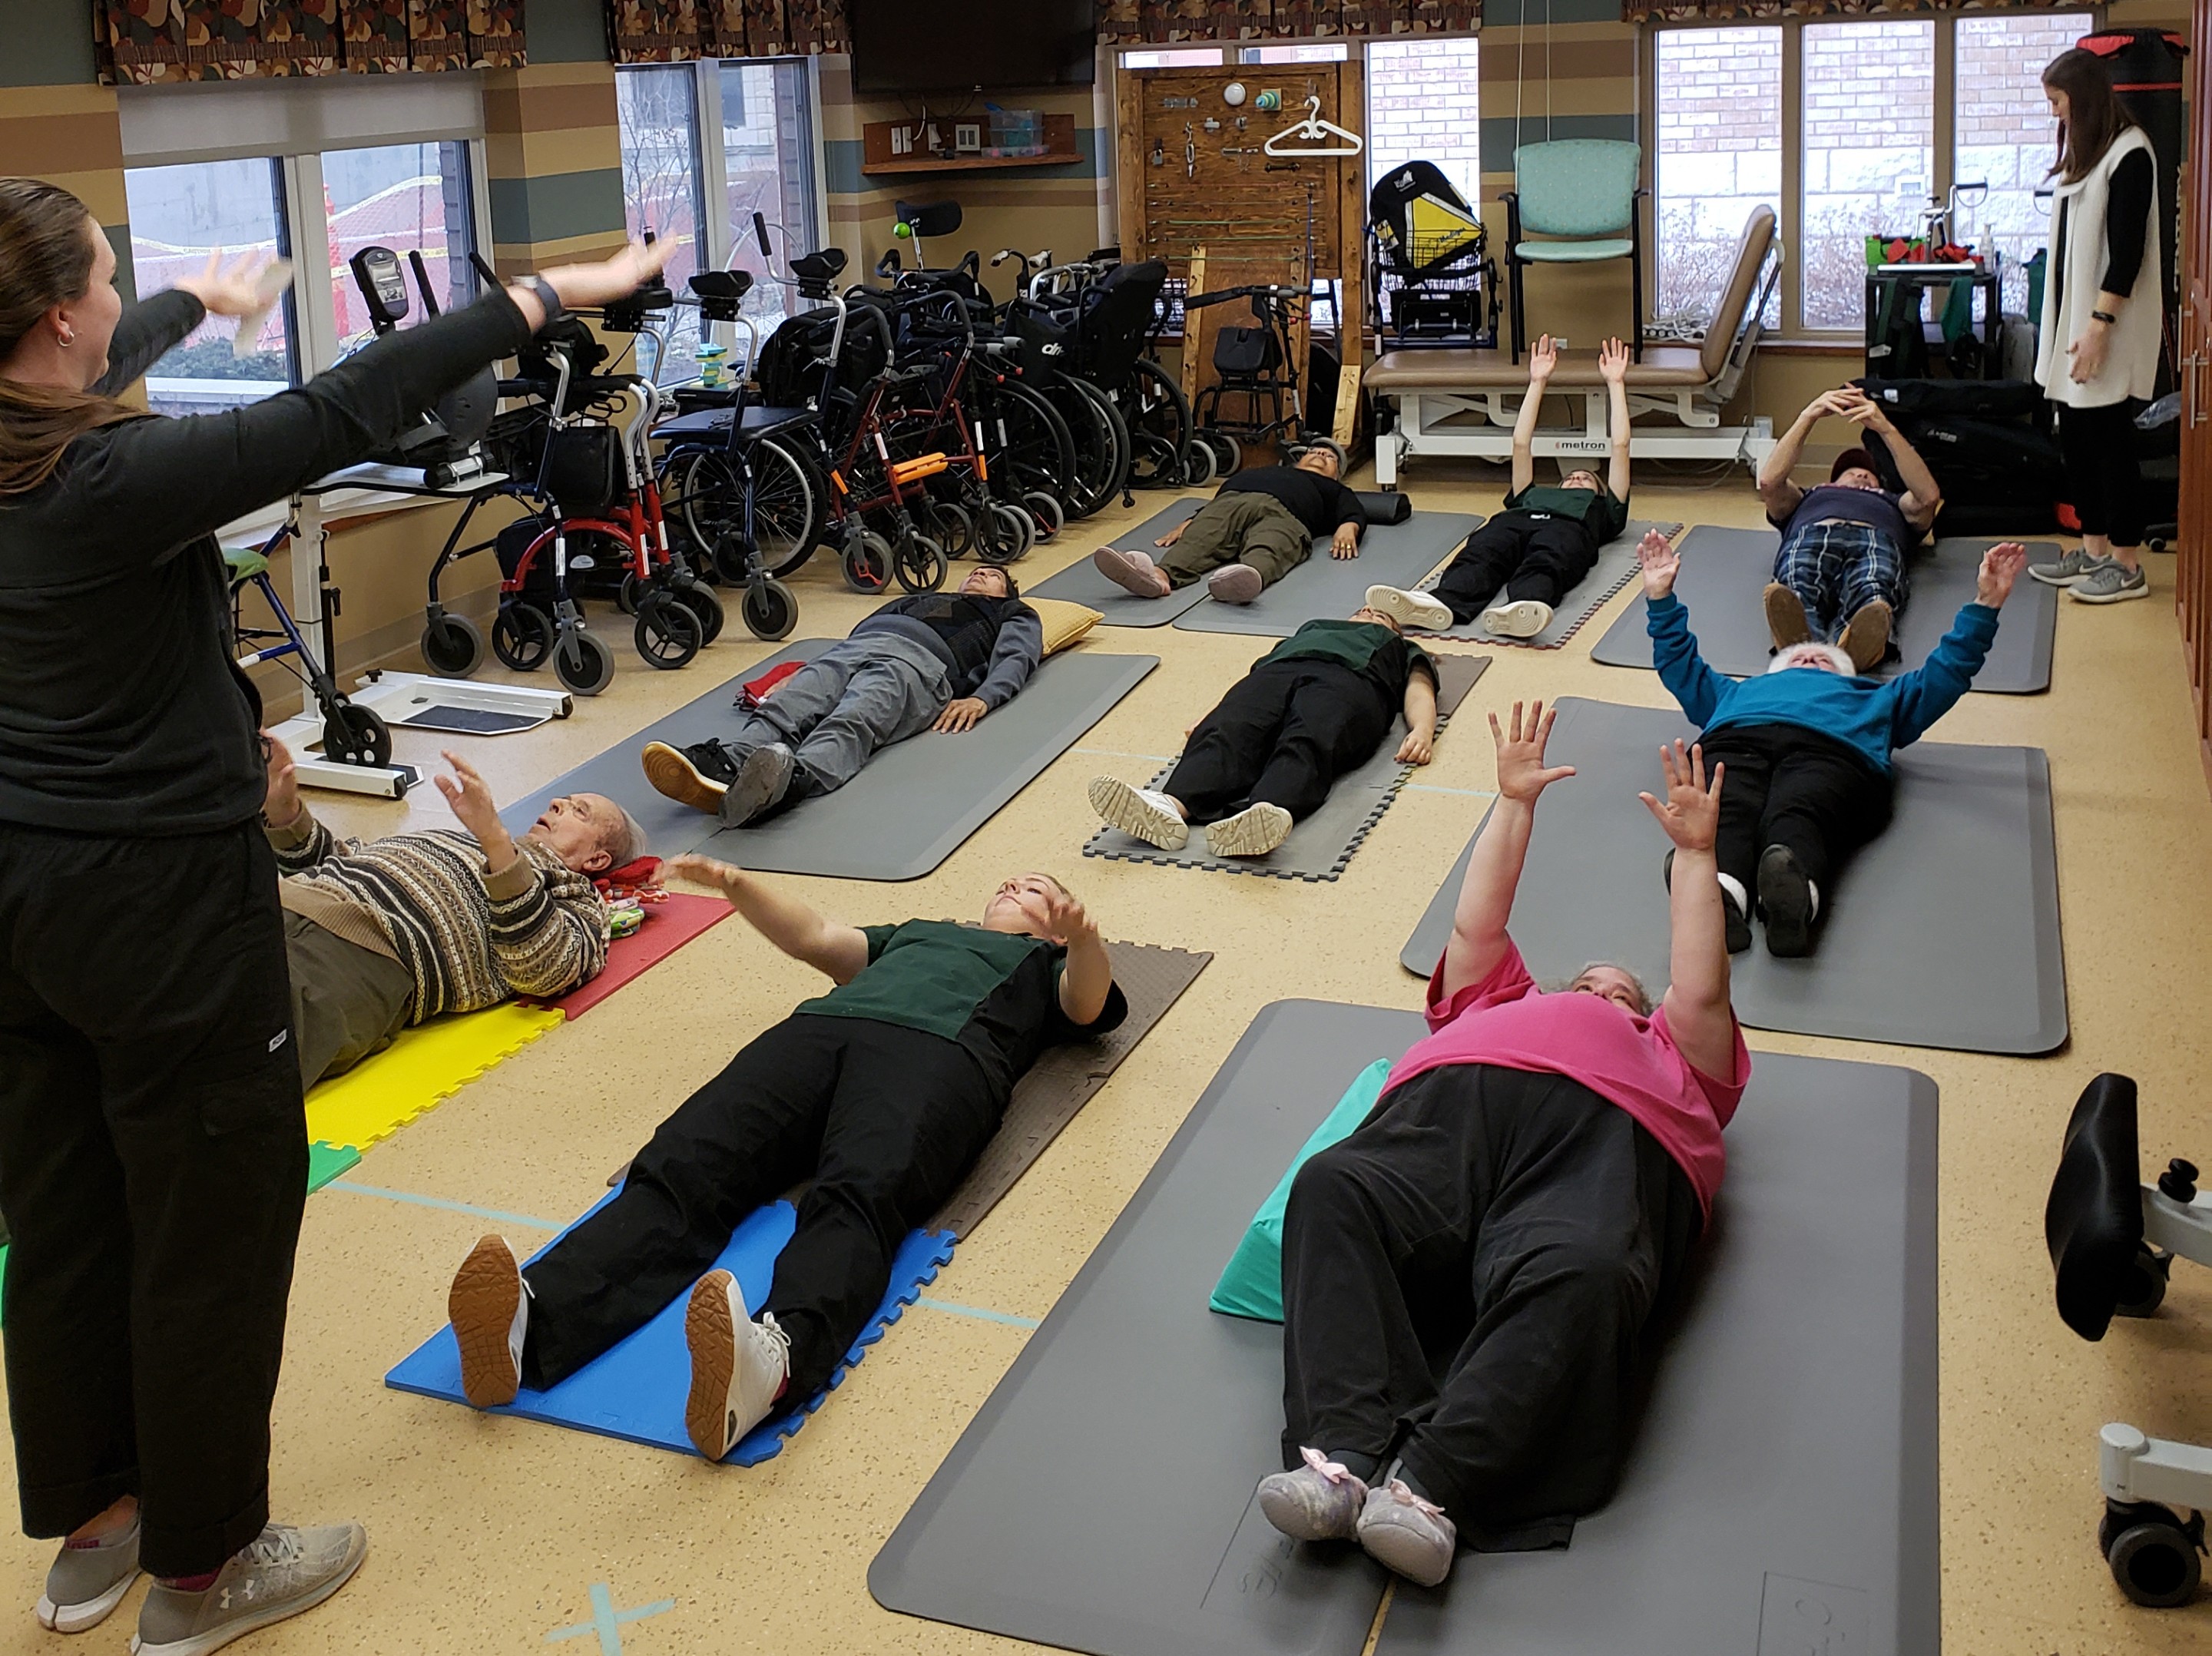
(489, 1535)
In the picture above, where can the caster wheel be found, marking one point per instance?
(452, 647)
(667, 632)
(2146, 1284)
(1046, 513)
(953, 527)
(631, 593)
(701, 600)
(355, 735)
(868, 562)
(584, 663)
(920, 565)
(1199, 464)
(769, 609)
(1008, 532)
(2154, 1560)
(522, 636)
(1227, 452)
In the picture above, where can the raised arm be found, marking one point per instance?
(838, 951)
(1697, 688)
(1920, 698)
(300, 843)
(1612, 363)
(1543, 361)
(1493, 873)
(1924, 496)
(1697, 1011)
(1086, 982)
(1777, 491)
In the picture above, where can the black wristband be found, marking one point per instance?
(555, 310)
(2106, 317)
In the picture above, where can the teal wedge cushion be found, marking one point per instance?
(1570, 252)
(1252, 1283)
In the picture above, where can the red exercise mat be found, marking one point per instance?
(669, 925)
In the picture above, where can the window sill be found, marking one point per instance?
(1848, 346)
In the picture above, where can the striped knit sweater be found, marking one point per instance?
(472, 940)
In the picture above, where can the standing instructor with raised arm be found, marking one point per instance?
(152, 1146)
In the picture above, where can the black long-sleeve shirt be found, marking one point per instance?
(122, 708)
(2127, 222)
(1322, 504)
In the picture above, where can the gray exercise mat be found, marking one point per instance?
(1080, 583)
(908, 810)
(1944, 931)
(1789, 1454)
(1330, 588)
(1615, 568)
(1725, 576)
(1319, 846)
(1781, 1497)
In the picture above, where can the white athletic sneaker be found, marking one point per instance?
(283, 1573)
(738, 1366)
(1319, 1501)
(1408, 1535)
(1254, 831)
(1410, 609)
(85, 1584)
(1140, 812)
(490, 1309)
(1523, 618)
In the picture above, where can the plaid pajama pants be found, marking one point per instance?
(1837, 569)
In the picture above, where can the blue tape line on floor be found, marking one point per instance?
(443, 1205)
(1005, 1317)
(607, 1622)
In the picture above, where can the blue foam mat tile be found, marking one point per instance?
(636, 1389)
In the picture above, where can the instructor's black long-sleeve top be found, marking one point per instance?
(122, 709)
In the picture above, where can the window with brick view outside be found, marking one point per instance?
(1423, 103)
(2004, 133)
(1868, 154)
(1717, 103)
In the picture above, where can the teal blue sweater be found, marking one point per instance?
(1876, 716)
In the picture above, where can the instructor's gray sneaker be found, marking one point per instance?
(2110, 581)
(87, 1583)
(1319, 1501)
(2065, 571)
(283, 1573)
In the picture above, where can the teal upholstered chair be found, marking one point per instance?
(1583, 194)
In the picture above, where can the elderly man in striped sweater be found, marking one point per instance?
(390, 933)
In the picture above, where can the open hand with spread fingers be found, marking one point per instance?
(1692, 812)
(1543, 360)
(1522, 774)
(1612, 363)
(1660, 561)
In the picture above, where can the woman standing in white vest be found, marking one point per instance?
(2097, 355)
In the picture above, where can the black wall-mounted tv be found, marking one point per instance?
(965, 45)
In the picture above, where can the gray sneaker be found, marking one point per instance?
(1319, 1502)
(87, 1583)
(2110, 581)
(284, 1572)
(762, 782)
(2065, 572)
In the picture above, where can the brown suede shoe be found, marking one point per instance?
(1785, 616)
(1866, 635)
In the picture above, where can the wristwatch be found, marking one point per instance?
(2106, 317)
(555, 310)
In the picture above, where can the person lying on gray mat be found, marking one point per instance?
(382, 935)
(932, 662)
(1260, 525)
(1466, 1278)
(1840, 574)
(1513, 568)
(1315, 706)
(883, 1092)
(1808, 745)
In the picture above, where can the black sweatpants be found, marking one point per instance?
(1521, 554)
(1787, 786)
(2103, 485)
(153, 1167)
(885, 1120)
(1284, 734)
(1465, 1281)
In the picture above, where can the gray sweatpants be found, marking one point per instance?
(854, 697)
(347, 1002)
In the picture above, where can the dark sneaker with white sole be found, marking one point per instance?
(284, 1572)
(85, 1584)
(697, 776)
(1787, 898)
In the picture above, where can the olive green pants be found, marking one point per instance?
(347, 1002)
(1255, 529)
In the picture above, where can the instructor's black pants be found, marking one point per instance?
(885, 1120)
(153, 1167)
(1799, 788)
(2104, 483)
(1283, 735)
(1526, 555)
(1465, 1281)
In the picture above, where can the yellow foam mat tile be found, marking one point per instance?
(425, 1066)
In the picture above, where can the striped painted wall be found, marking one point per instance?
(553, 161)
(1560, 68)
(70, 136)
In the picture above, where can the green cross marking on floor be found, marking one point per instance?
(607, 1622)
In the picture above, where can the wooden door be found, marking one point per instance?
(2193, 575)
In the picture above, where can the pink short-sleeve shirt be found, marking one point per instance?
(1633, 1061)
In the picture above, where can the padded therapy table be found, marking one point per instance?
(1102, 1500)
